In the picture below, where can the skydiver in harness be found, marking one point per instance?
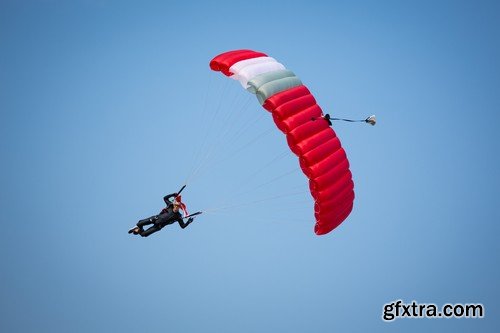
(168, 215)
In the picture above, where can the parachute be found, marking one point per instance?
(321, 156)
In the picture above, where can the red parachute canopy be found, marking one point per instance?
(321, 156)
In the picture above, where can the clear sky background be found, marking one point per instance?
(106, 106)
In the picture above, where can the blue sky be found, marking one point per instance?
(106, 106)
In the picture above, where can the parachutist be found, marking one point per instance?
(168, 215)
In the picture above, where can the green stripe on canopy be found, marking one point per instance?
(261, 79)
(271, 88)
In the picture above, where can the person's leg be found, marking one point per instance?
(149, 220)
(149, 231)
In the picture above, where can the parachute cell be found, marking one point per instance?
(293, 107)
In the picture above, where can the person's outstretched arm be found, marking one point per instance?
(168, 197)
(184, 224)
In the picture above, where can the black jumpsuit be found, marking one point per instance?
(167, 216)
